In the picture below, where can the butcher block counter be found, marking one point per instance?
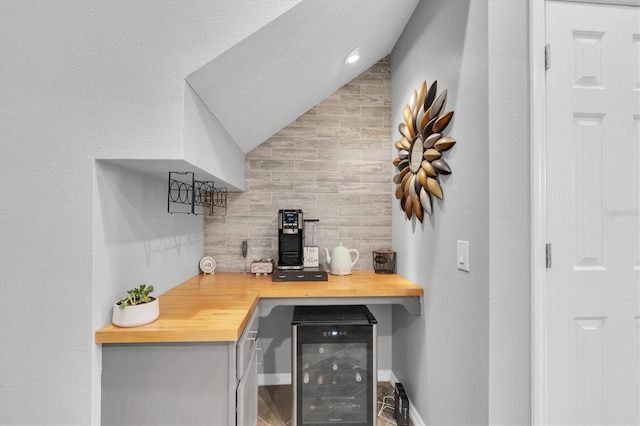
(216, 307)
(197, 364)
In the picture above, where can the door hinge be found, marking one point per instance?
(547, 57)
(548, 255)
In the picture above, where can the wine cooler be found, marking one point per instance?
(334, 365)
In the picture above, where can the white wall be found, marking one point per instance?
(135, 241)
(467, 359)
(209, 146)
(442, 357)
(509, 214)
(82, 81)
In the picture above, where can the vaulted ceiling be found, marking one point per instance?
(270, 78)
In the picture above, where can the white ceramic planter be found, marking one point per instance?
(136, 315)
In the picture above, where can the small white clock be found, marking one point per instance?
(208, 265)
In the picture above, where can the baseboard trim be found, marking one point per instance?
(384, 375)
(274, 379)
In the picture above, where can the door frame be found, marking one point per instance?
(538, 101)
(538, 150)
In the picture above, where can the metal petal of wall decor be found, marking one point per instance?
(419, 162)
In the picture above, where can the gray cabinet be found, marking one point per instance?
(191, 383)
(247, 374)
(247, 395)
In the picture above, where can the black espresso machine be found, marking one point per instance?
(290, 243)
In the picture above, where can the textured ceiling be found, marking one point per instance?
(276, 74)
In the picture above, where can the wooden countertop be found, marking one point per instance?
(209, 308)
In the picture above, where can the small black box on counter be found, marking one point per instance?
(305, 274)
(402, 406)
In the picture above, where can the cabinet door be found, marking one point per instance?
(176, 383)
(247, 394)
(247, 344)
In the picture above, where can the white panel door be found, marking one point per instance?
(593, 199)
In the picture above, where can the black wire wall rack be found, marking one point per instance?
(191, 196)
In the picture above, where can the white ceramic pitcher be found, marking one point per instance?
(340, 260)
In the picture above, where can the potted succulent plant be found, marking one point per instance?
(138, 307)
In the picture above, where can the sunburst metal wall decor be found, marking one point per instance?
(419, 160)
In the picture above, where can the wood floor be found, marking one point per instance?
(275, 403)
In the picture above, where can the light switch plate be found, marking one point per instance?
(463, 255)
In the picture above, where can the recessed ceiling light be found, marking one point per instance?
(353, 56)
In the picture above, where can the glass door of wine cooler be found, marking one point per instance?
(334, 366)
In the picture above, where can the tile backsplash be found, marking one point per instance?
(333, 162)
